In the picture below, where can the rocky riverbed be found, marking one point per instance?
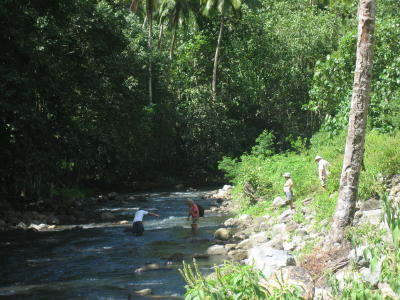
(274, 243)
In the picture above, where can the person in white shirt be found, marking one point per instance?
(287, 188)
(323, 171)
(137, 225)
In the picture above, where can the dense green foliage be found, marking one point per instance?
(75, 106)
(233, 281)
(265, 173)
(332, 82)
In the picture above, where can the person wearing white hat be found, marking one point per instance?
(287, 188)
(323, 171)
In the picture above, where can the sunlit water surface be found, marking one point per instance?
(98, 261)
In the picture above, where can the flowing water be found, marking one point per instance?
(98, 261)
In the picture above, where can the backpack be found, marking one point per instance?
(201, 210)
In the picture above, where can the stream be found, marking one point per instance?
(98, 260)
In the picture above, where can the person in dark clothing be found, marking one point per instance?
(137, 225)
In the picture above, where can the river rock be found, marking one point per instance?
(279, 230)
(259, 238)
(245, 244)
(238, 255)
(52, 220)
(276, 243)
(151, 267)
(112, 195)
(268, 259)
(21, 225)
(37, 227)
(107, 216)
(144, 292)
(370, 204)
(223, 234)
(231, 222)
(217, 250)
(175, 257)
(123, 222)
(288, 246)
(296, 276)
(200, 255)
(286, 216)
(357, 255)
(371, 216)
(279, 202)
(224, 193)
(241, 235)
(245, 219)
(230, 246)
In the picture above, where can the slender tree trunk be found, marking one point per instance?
(171, 49)
(354, 151)
(217, 49)
(160, 35)
(150, 34)
(144, 22)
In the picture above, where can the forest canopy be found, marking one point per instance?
(93, 93)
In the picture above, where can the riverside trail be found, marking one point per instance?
(98, 260)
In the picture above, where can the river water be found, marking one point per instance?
(98, 260)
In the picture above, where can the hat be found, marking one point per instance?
(287, 174)
(318, 157)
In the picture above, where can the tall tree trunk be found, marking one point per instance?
(160, 35)
(217, 49)
(171, 49)
(354, 151)
(150, 34)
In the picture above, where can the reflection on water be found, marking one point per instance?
(98, 260)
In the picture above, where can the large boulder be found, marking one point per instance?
(268, 259)
(222, 234)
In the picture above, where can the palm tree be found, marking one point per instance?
(354, 151)
(151, 6)
(179, 12)
(220, 7)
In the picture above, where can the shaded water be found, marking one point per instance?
(98, 261)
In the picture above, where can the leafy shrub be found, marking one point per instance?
(233, 282)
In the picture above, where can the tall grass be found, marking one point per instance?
(265, 173)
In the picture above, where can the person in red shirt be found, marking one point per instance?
(195, 214)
